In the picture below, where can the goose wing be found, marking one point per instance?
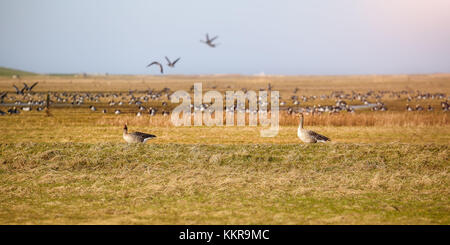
(17, 89)
(214, 38)
(156, 63)
(317, 136)
(176, 61)
(168, 61)
(143, 136)
(32, 86)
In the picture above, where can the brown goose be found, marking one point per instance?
(309, 136)
(136, 137)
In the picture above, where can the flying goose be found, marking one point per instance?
(309, 136)
(209, 41)
(18, 91)
(157, 63)
(136, 137)
(172, 64)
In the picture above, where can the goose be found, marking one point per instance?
(18, 91)
(209, 41)
(309, 136)
(2, 97)
(409, 108)
(157, 63)
(29, 88)
(13, 111)
(444, 105)
(136, 137)
(117, 112)
(172, 64)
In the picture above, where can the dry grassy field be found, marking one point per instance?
(73, 167)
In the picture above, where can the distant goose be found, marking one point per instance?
(445, 106)
(409, 108)
(13, 111)
(92, 108)
(209, 41)
(171, 64)
(117, 112)
(2, 96)
(29, 88)
(309, 136)
(152, 111)
(139, 114)
(136, 137)
(18, 91)
(104, 111)
(158, 64)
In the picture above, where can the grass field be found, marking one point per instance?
(8, 72)
(74, 167)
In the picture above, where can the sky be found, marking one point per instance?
(299, 37)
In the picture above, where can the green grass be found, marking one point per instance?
(9, 72)
(116, 183)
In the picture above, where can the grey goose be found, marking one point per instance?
(136, 137)
(309, 136)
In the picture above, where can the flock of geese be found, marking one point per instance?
(26, 99)
(171, 64)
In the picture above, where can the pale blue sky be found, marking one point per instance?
(274, 37)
